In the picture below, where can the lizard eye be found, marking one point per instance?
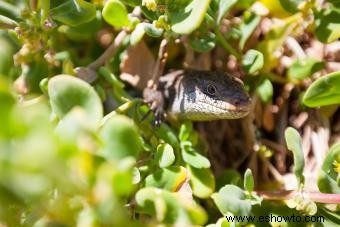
(211, 89)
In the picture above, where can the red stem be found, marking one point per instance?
(315, 196)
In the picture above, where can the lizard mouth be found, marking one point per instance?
(224, 110)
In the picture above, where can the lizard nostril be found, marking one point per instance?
(236, 102)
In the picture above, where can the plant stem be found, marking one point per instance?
(109, 52)
(120, 110)
(45, 10)
(226, 45)
(286, 195)
(161, 60)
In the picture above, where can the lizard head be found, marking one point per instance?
(213, 95)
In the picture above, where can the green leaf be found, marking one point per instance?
(265, 90)
(82, 32)
(122, 183)
(232, 199)
(115, 13)
(150, 15)
(7, 101)
(185, 131)
(44, 86)
(327, 179)
(327, 23)
(74, 123)
(171, 178)
(193, 158)
(165, 155)
(303, 68)
(152, 31)
(74, 12)
(335, 3)
(45, 9)
(252, 61)
(248, 180)
(132, 3)
(293, 141)
(120, 138)
(324, 91)
(203, 43)
(169, 207)
(118, 178)
(291, 5)
(7, 23)
(7, 51)
(250, 22)
(137, 34)
(186, 20)
(33, 74)
(244, 4)
(202, 182)
(331, 218)
(9, 10)
(167, 134)
(223, 7)
(229, 176)
(67, 92)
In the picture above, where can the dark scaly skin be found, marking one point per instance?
(201, 96)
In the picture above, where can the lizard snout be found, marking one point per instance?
(246, 101)
(242, 104)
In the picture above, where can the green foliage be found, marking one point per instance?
(120, 138)
(82, 150)
(115, 13)
(165, 155)
(233, 200)
(167, 178)
(291, 5)
(203, 43)
(223, 8)
(152, 31)
(265, 90)
(252, 61)
(6, 22)
(193, 158)
(7, 51)
(185, 21)
(327, 25)
(74, 12)
(137, 34)
(169, 208)
(83, 31)
(67, 92)
(303, 68)
(328, 180)
(323, 91)
(293, 141)
(249, 23)
(248, 180)
(202, 182)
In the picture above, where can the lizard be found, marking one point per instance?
(198, 95)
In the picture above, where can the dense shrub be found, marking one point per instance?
(78, 147)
